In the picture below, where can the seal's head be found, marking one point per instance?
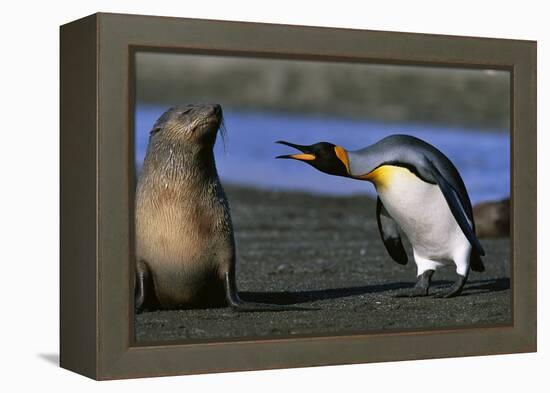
(195, 125)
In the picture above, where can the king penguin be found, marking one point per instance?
(420, 194)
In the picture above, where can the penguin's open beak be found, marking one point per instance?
(306, 152)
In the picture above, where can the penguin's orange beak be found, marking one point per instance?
(301, 157)
(306, 155)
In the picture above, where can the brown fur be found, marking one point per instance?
(492, 218)
(184, 234)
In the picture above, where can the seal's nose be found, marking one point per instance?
(217, 109)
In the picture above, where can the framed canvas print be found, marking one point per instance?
(240, 196)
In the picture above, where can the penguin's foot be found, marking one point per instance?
(421, 287)
(414, 292)
(454, 290)
(237, 304)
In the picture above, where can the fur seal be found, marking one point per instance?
(493, 218)
(185, 248)
(420, 193)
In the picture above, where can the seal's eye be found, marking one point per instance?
(154, 130)
(186, 111)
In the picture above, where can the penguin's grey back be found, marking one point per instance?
(414, 154)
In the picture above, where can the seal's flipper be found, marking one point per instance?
(237, 304)
(144, 294)
(389, 231)
(456, 207)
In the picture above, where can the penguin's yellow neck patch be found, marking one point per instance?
(383, 176)
(342, 155)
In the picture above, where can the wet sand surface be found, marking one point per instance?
(326, 253)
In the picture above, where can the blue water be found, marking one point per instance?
(482, 158)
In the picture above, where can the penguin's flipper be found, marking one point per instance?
(456, 207)
(389, 231)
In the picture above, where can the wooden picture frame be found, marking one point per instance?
(97, 193)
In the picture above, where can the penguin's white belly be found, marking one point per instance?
(423, 214)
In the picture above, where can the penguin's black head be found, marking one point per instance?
(324, 156)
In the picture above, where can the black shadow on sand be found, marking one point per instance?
(296, 297)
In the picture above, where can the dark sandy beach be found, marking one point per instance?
(326, 253)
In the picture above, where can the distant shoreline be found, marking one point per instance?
(393, 93)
